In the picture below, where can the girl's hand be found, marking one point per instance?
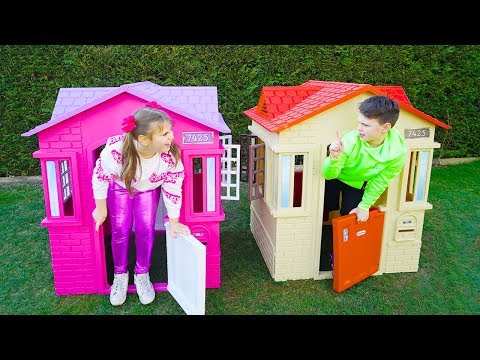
(178, 228)
(99, 215)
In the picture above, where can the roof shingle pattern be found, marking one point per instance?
(277, 110)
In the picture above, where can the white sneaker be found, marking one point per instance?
(144, 286)
(118, 291)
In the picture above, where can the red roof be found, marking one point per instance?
(281, 107)
(275, 100)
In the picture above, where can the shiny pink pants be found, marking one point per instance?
(123, 209)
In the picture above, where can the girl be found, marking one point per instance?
(127, 179)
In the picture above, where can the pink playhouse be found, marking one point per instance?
(69, 145)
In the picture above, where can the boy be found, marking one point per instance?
(362, 163)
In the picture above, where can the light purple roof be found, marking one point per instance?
(198, 103)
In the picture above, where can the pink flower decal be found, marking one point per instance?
(128, 124)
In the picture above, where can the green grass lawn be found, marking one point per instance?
(446, 283)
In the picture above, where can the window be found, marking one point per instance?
(417, 176)
(291, 181)
(204, 188)
(416, 180)
(286, 189)
(62, 197)
(59, 188)
(66, 187)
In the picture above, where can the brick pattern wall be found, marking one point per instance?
(294, 248)
(72, 249)
(72, 260)
(402, 257)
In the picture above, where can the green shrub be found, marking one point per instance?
(440, 80)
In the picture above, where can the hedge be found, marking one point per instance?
(440, 80)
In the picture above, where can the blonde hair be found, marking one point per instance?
(145, 120)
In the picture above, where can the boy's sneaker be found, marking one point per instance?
(118, 291)
(144, 286)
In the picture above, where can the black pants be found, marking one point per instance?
(351, 197)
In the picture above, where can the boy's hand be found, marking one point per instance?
(336, 147)
(362, 215)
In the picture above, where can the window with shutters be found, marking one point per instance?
(61, 200)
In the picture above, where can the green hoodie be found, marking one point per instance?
(360, 162)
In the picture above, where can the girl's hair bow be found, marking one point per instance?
(128, 124)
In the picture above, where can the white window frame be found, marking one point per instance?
(421, 160)
(273, 193)
(55, 188)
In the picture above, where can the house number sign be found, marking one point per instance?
(417, 133)
(198, 137)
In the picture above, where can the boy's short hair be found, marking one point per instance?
(382, 108)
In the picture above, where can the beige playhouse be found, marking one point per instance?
(290, 131)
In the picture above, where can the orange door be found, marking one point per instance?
(356, 248)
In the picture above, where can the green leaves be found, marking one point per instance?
(440, 80)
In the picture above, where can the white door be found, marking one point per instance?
(186, 266)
